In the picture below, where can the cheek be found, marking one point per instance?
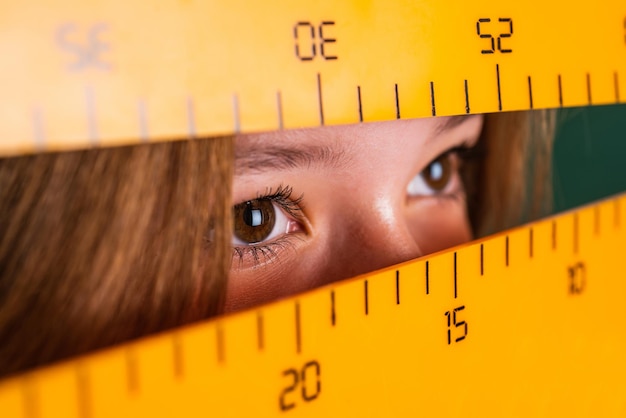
(440, 224)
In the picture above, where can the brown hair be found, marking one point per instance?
(101, 246)
(512, 182)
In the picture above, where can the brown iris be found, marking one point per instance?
(437, 173)
(254, 220)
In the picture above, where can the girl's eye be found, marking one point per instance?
(433, 179)
(258, 220)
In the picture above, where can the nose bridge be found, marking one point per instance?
(374, 238)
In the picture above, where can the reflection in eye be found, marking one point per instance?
(433, 179)
(266, 218)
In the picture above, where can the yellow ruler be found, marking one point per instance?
(88, 73)
(529, 322)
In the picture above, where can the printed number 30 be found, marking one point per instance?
(481, 31)
(309, 391)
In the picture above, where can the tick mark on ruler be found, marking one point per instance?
(30, 400)
(588, 88)
(92, 130)
(358, 95)
(506, 251)
(38, 130)
(455, 290)
(143, 121)
(279, 110)
(83, 391)
(132, 376)
(366, 301)
(191, 118)
(575, 233)
(333, 317)
(397, 102)
(219, 341)
(427, 280)
(298, 333)
(319, 98)
(236, 116)
(530, 92)
(482, 260)
(560, 91)
(616, 86)
(530, 242)
(432, 98)
(177, 354)
(467, 103)
(260, 341)
(397, 287)
(554, 235)
(499, 93)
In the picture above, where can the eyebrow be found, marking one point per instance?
(257, 157)
(452, 122)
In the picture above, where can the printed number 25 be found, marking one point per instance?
(482, 29)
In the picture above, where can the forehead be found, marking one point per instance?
(283, 150)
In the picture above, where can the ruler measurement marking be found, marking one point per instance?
(397, 287)
(83, 391)
(333, 315)
(467, 103)
(588, 88)
(132, 376)
(236, 116)
(397, 102)
(616, 86)
(191, 118)
(560, 91)
(260, 340)
(432, 99)
(455, 288)
(530, 92)
(499, 92)
(575, 233)
(358, 95)
(30, 400)
(482, 257)
(143, 121)
(177, 354)
(219, 342)
(90, 103)
(279, 110)
(427, 279)
(298, 328)
(506, 251)
(38, 129)
(366, 301)
(554, 235)
(319, 98)
(530, 242)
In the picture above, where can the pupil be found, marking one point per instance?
(436, 170)
(252, 217)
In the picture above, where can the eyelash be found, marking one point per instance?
(293, 207)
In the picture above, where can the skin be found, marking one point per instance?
(357, 214)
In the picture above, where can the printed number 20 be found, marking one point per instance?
(480, 31)
(309, 392)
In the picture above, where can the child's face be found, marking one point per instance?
(314, 206)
